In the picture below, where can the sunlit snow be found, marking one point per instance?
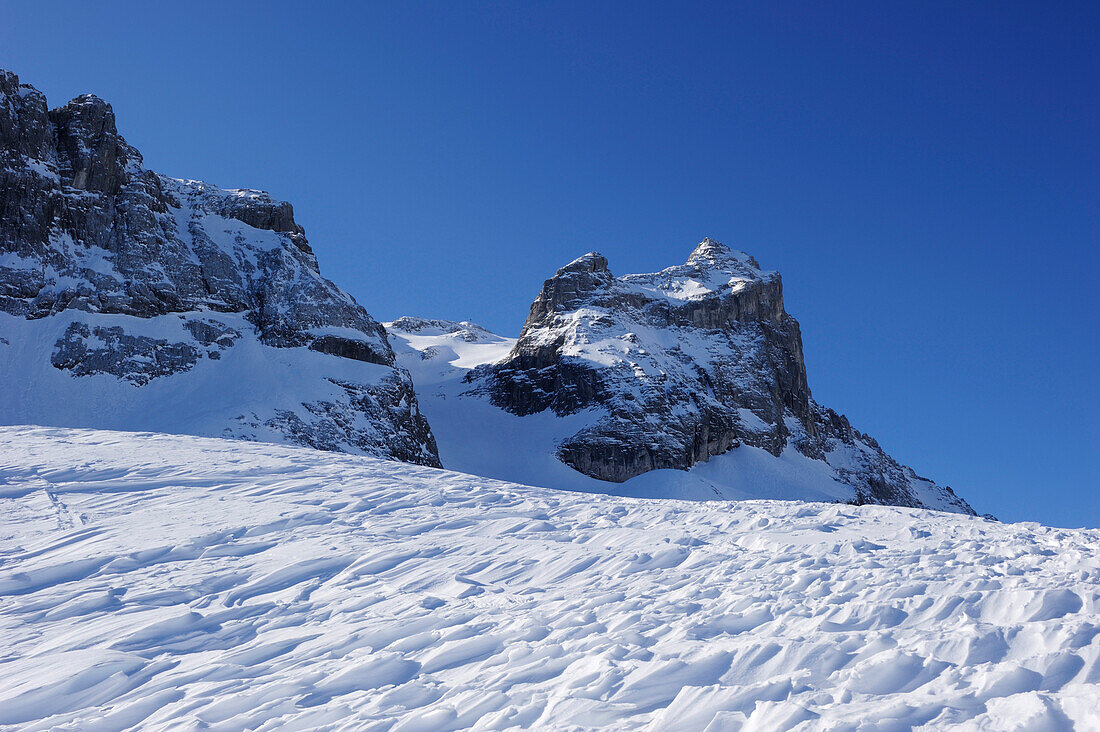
(181, 582)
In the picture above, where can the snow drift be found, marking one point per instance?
(169, 581)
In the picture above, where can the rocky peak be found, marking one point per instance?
(713, 271)
(574, 282)
(679, 366)
(712, 254)
(9, 82)
(24, 125)
(591, 262)
(92, 156)
(155, 278)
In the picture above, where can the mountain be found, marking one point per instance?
(132, 300)
(169, 582)
(689, 382)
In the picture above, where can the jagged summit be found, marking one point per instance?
(591, 262)
(132, 300)
(716, 254)
(679, 366)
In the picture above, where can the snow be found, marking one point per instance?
(468, 429)
(461, 346)
(41, 168)
(183, 582)
(233, 394)
(241, 242)
(712, 269)
(675, 285)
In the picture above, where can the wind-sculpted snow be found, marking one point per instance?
(182, 582)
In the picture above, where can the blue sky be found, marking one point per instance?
(925, 176)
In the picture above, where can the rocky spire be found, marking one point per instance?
(91, 154)
(575, 281)
(591, 262)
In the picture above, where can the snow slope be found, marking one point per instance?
(440, 354)
(184, 582)
(235, 395)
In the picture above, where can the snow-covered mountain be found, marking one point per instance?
(689, 382)
(175, 582)
(131, 300)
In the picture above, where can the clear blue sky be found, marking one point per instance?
(925, 176)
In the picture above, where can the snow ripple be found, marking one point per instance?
(169, 582)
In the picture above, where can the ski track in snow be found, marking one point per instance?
(182, 582)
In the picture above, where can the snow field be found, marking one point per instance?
(230, 396)
(182, 582)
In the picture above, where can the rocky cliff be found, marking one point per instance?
(682, 365)
(132, 300)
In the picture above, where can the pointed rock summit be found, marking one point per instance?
(572, 283)
(711, 253)
(591, 262)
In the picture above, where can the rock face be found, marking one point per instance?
(111, 271)
(682, 365)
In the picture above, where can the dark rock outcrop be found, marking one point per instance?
(125, 256)
(352, 348)
(137, 359)
(682, 365)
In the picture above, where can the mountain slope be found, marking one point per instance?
(182, 582)
(136, 301)
(687, 383)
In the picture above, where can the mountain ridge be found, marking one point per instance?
(116, 281)
(132, 300)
